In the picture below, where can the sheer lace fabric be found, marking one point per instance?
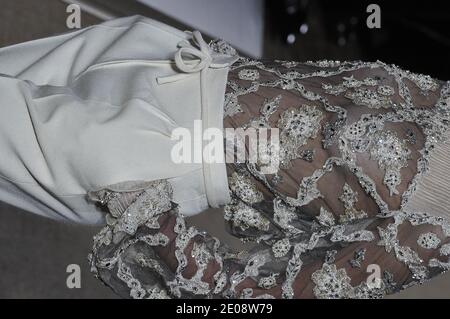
(356, 139)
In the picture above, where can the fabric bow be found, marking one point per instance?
(191, 59)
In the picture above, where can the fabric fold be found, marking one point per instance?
(87, 112)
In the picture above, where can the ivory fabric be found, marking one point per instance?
(433, 190)
(356, 139)
(96, 107)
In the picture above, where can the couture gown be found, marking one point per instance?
(357, 209)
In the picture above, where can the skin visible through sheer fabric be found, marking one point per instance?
(355, 140)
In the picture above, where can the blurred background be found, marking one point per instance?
(35, 252)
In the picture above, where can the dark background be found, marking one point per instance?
(413, 34)
(34, 251)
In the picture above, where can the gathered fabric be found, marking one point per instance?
(97, 107)
(356, 209)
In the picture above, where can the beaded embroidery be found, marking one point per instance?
(291, 239)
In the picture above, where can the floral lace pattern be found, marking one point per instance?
(298, 125)
(355, 139)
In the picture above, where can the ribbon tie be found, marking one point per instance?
(195, 56)
(192, 59)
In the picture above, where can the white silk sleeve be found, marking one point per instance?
(85, 110)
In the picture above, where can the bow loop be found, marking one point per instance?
(189, 58)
